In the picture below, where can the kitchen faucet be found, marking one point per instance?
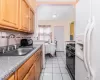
(11, 35)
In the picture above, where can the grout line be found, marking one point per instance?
(52, 59)
(60, 69)
(52, 69)
(43, 76)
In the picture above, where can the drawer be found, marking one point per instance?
(11, 77)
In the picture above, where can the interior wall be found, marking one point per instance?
(53, 23)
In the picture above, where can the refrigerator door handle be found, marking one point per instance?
(89, 50)
(85, 45)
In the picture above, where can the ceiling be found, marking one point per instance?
(57, 0)
(62, 12)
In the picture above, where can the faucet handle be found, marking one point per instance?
(8, 48)
(15, 46)
(4, 50)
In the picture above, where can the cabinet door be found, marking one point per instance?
(9, 13)
(37, 69)
(23, 70)
(32, 21)
(41, 60)
(31, 74)
(24, 15)
(11, 78)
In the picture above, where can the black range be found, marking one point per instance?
(70, 59)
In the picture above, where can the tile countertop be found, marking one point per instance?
(9, 64)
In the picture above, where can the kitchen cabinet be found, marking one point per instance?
(32, 21)
(23, 70)
(37, 69)
(31, 74)
(12, 77)
(9, 14)
(24, 15)
(29, 70)
(41, 62)
(16, 15)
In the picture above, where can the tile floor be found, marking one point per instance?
(55, 68)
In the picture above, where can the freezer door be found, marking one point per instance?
(82, 15)
(95, 42)
(80, 70)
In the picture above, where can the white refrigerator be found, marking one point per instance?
(87, 29)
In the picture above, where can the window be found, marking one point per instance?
(44, 32)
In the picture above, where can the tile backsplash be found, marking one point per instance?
(18, 36)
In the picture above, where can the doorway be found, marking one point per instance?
(59, 37)
(72, 31)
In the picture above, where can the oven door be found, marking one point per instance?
(70, 63)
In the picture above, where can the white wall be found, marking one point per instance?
(53, 23)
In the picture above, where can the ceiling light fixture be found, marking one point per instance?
(54, 16)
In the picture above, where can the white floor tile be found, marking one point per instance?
(47, 76)
(41, 76)
(59, 55)
(54, 58)
(61, 62)
(66, 77)
(43, 70)
(55, 65)
(64, 57)
(60, 59)
(50, 59)
(48, 65)
(55, 62)
(64, 71)
(57, 77)
(49, 62)
(56, 70)
(62, 65)
(64, 62)
(48, 70)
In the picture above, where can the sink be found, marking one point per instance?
(18, 52)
